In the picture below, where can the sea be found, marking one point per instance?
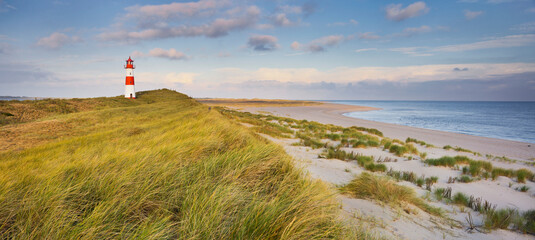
(9, 98)
(504, 120)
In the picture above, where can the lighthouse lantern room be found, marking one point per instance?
(129, 90)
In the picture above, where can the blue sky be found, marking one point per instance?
(344, 49)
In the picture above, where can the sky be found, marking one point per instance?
(454, 50)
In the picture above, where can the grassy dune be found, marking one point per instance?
(162, 166)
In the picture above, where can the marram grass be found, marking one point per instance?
(159, 170)
(382, 189)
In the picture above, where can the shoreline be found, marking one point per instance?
(332, 113)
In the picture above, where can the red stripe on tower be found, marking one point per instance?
(129, 90)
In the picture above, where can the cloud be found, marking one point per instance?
(365, 50)
(338, 24)
(263, 42)
(319, 45)
(396, 13)
(524, 27)
(530, 10)
(149, 13)
(469, 15)
(217, 28)
(5, 48)
(404, 74)
(223, 54)
(498, 42)
(57, 40)
(308, 8)
(411, 31)
(368, 36)
(295, 45)
(515, 87)
(183, 77)
(421, 29)
(281, 19)
(171, 54)
(5, 7)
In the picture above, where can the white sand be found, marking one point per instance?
(394, 222)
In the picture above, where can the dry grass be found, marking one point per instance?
(384, 190)
(161, 167)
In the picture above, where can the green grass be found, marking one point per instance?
(501, 218)
(528, 224)
(368, 186)
(465, 179)
(482, 168)
(460, 199)
(159, 167)
(522, 174)
(439, 193)
(409, 140)
(398, 150)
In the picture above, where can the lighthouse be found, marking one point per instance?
(129, 90)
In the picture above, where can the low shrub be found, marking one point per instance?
(501, 218)
(465, 179)
(522, 174)
(460, 199)
(398, 150)
(384, 190)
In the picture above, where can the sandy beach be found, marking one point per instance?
(391, 222)
(330, 113)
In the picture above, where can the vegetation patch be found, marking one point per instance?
(176, 170)
(368, 186)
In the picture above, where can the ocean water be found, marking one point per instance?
(503, 120)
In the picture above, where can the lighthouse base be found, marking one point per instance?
(130, 91)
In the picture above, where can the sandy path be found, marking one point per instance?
(332, 113)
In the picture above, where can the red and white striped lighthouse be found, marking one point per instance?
(129, 90)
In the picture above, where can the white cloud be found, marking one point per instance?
(263, 42)
(216, 28)
(171, 54)
(418, 73)
(319, 45)
(469, 15)
(338, 24)
(365, 50)
(174, 10)
(281, 19)
(421, 29)
(295, 45)
(413, 51)
(530, 10)
(498, 42)
(57, 40)
(368, 36)
(395, 12)
(524, 27)
(183, 77)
